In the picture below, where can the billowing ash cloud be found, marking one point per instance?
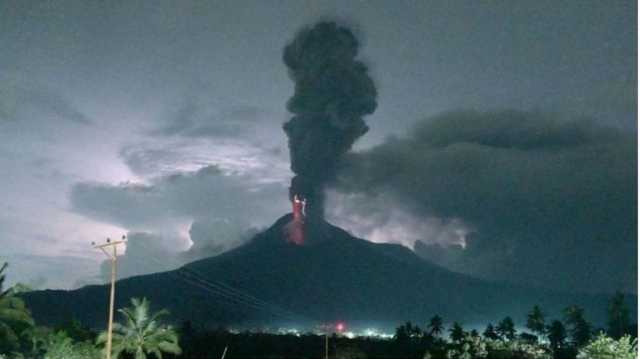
(549, 201)
(214, 236)
(333, 92)
(146, 253)
(377, 218)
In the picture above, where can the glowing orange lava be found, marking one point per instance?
(295, 229)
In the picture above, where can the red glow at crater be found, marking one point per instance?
(295, 228)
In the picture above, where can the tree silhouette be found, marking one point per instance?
(528, 338)
(14, 316)
(618, 321)
(349, 352)
(401, 335)
(506, 328)
(536, 320)
(490, 332)
(414, 330)
(435, 325)
(142, 333)
(557, 334)
(76, 331)
(456, 333)
(580, 329)
(37, 338)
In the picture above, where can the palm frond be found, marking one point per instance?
(141, 332)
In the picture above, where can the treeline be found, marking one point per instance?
(558, 338)
(141, 334)
(569, 337)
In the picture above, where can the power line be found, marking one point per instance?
(231, 294)
(234, 290)
(182, 274)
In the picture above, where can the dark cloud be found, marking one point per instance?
(21, 100)
(204, 112)
(193, 119)
(207, 193)
(333, 93)
(552, 202)
(510, 130)
(144, 161)
(202, 130)
(50, 102)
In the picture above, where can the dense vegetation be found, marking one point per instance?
(142, 335)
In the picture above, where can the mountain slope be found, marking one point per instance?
(334, 276)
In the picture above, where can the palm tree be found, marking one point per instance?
(14, 316)
(435, 325)
(142, 333)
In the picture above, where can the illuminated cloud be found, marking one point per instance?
(544, 196)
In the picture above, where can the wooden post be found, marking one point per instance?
(111, 302)
(326, 345)
(114, 259)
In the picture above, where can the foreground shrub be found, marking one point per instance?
(14, 316)
(604, 347)
(350, 352)
(60, 346)
(475, 347)
(469, 347)
(516, 349)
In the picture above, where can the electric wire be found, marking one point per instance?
(224, 291)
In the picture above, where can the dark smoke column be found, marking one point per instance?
(332, 94)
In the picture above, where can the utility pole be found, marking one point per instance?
(114, 258)
(326, 345)
(327, 328)
(330, 328)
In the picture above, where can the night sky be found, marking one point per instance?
(504, 143)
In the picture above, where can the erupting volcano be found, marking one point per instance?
(530, 184)
(292, 273)
(295, 228)
(333, 92)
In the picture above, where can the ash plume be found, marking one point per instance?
(333, 92)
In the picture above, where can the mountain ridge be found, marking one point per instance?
(333, 276)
